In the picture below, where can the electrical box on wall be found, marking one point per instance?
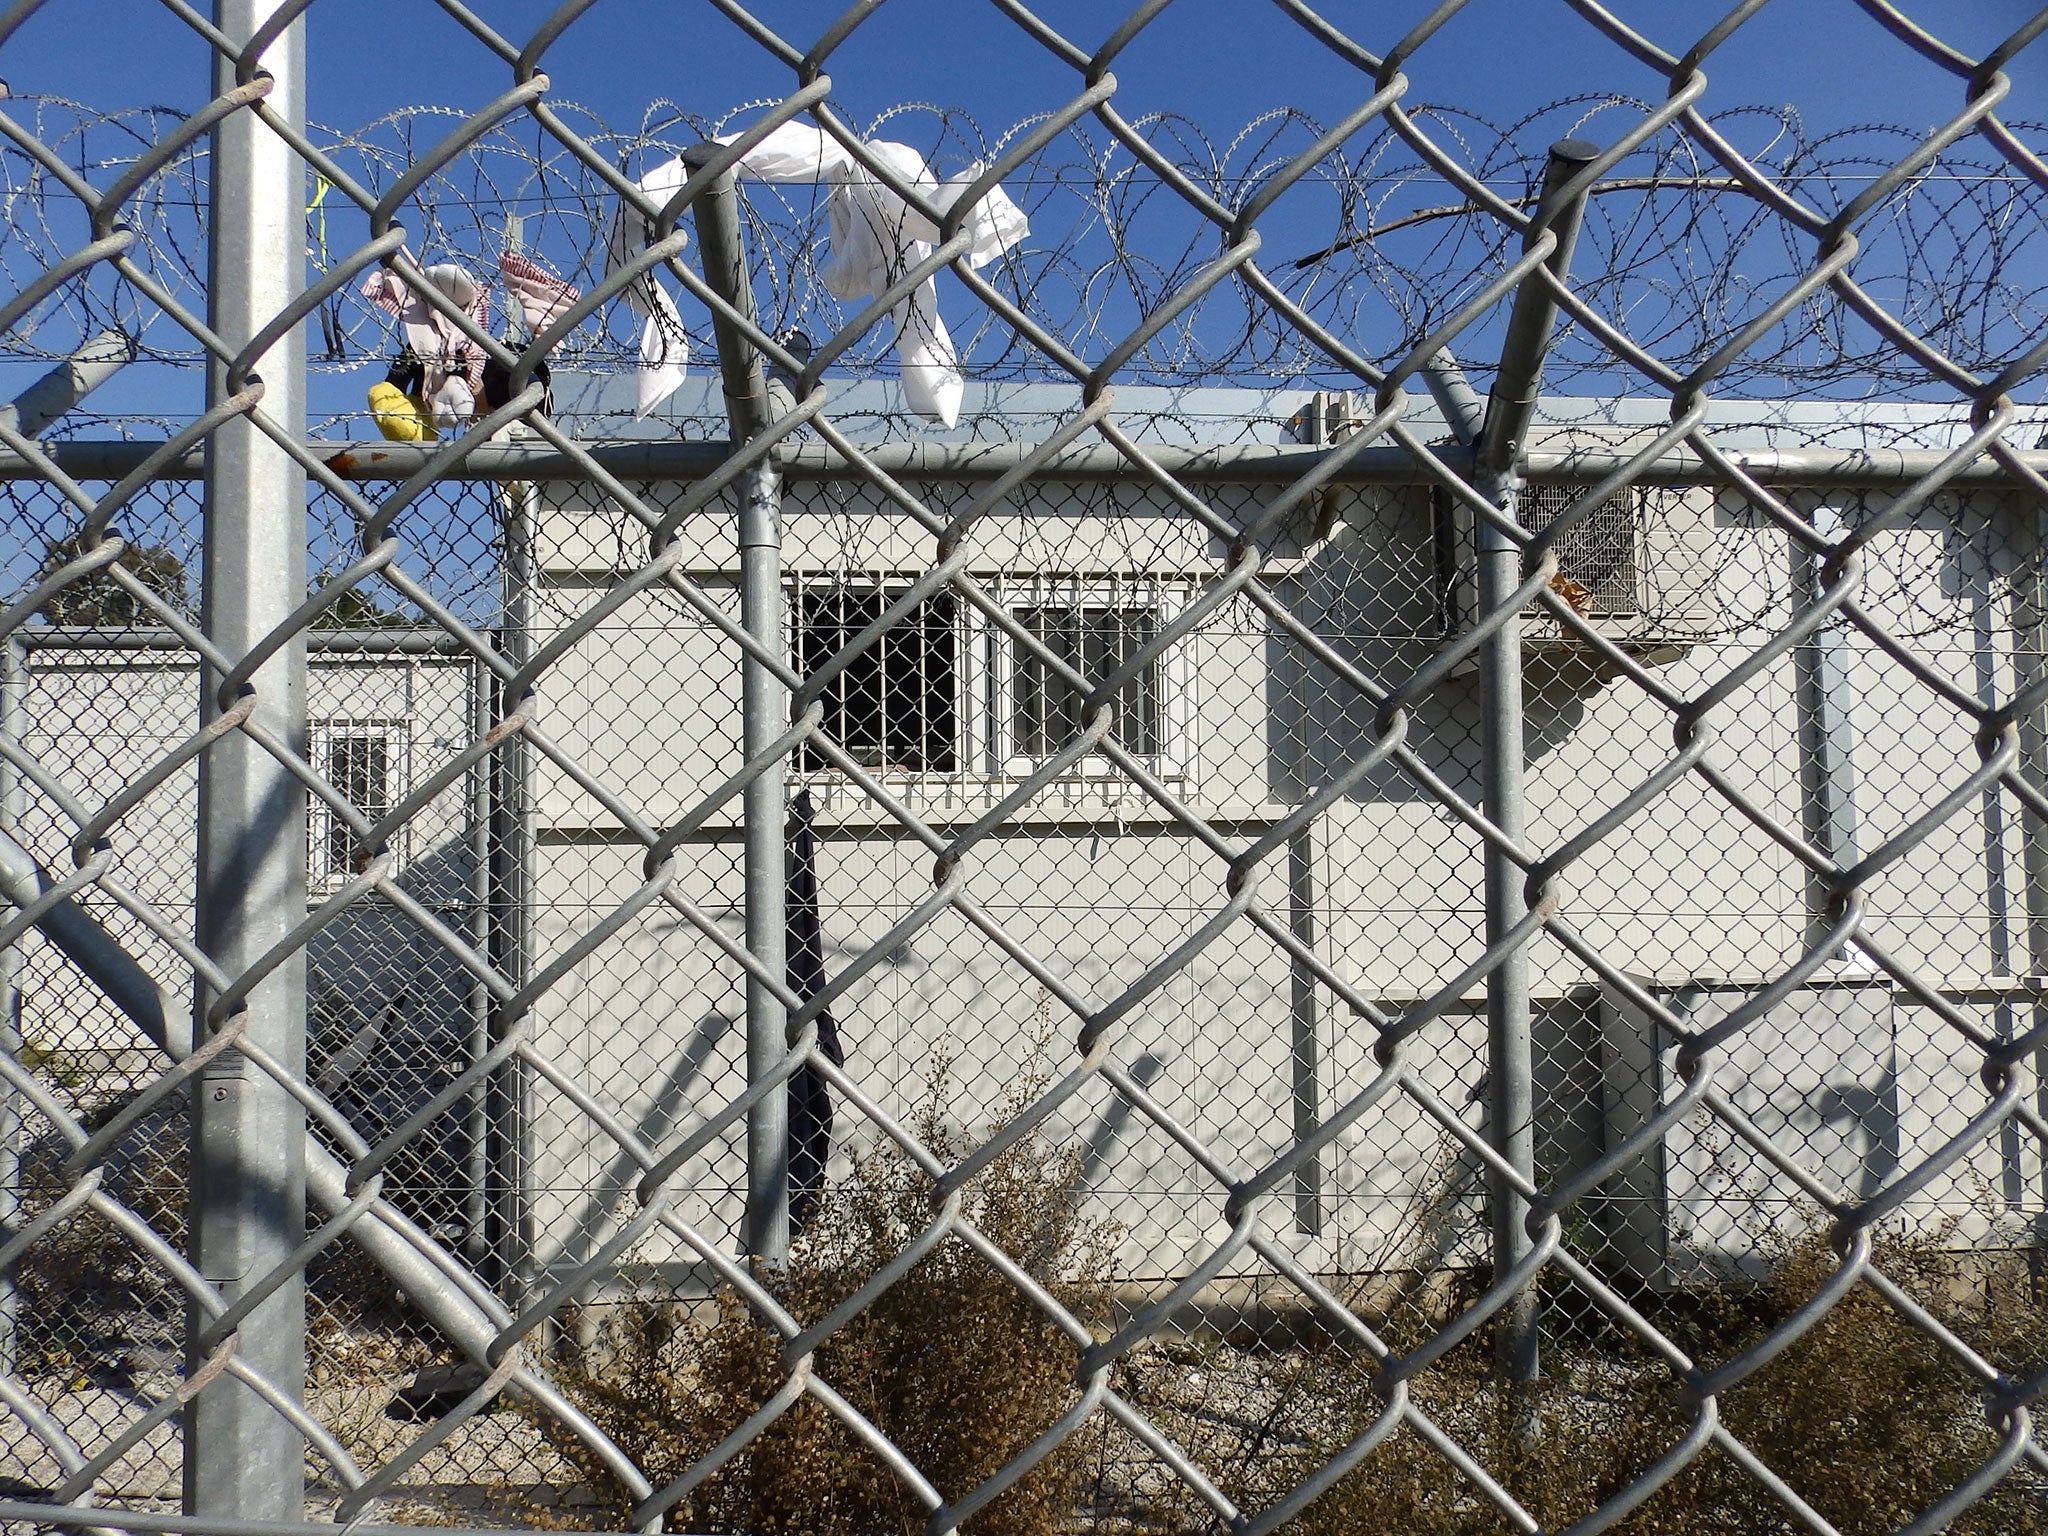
(1818, 1074)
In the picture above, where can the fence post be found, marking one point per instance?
(2030, 666)
(502, 1114)
(243, 1459)
(1511, 1108)
(482, 932)
(512, 832)
(13, 726)
(1306, 1016)
(1827, 732)
(764, 716)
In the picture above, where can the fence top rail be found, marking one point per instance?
(1232, 463)
(319, 642)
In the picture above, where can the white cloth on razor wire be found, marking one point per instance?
(454, 364)
(664, 344)
(876, 237)
(540, 295)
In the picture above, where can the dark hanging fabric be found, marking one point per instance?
(810, 1104)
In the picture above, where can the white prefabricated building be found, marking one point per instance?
(1098, 882)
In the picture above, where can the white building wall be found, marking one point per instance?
(98, 719)
(1099, 883)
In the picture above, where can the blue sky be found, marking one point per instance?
(1220, 63)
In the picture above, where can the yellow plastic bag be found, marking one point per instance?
(400, 417)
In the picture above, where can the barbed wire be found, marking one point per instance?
(1676, 254)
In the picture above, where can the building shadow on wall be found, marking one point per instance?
(1373, 592)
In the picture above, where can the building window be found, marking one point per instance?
(947, 691)
(895, 706)
(1091, 639)
(365, 761)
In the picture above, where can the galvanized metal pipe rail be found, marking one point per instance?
(764, 713)
(639, 460)
(1511, 1091)
(349, 643)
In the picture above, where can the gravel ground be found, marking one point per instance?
(495, 1469)
(1259, 1416)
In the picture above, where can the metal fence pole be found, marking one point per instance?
(13, 725)
(2030, 664)
(504, 1160)
(1511, 1109)
(1306, 1015)
(1827, 733)
(1979, 578)
(242, 1458)
(476, 1194)
(764, 716)
(513, 829)
(39, 406)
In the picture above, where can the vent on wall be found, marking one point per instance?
(1639, 568)
(1598, 554)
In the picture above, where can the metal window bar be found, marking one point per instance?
(895, 707)
(366, 760)
(1091, 639)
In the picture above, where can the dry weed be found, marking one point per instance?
(952, 1363)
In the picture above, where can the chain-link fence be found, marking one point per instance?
(1000, 861)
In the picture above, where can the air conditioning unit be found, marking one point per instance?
(1638, 568)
